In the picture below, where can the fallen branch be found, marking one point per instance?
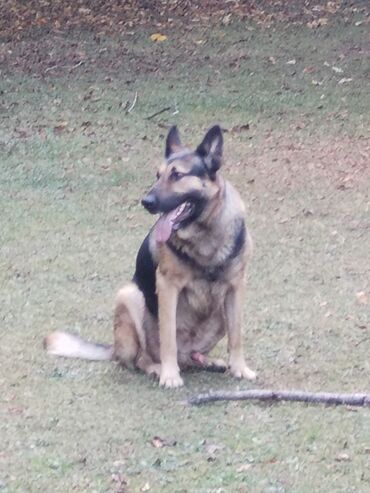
(158, 113)
(283, 395)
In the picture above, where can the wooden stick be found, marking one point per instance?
(283, 395)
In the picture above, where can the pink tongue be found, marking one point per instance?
(163, 227)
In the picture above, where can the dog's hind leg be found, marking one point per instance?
(129, 338)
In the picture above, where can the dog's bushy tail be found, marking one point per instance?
(73, 346)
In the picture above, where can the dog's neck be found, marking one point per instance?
(212, 239)
(214, 270)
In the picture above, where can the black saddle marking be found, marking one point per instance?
(144, 276)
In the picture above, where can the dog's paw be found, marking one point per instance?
(241, 370)
(170, 378)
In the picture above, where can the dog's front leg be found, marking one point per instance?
(168, 293)
(234, 307)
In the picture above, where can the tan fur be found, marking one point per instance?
(194, 312)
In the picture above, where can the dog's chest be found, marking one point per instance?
(200, 320)
(200, 298)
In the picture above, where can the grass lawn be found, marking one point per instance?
(74, 166)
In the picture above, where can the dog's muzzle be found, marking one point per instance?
(150, 202)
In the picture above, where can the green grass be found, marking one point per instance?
(74, 166)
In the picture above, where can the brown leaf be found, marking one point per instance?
(212, 448)
(342, 457)
(23, 133)
(323, 21)
(158, 37)
(120, 483)
(159, 442)
(58, 129)
(244, 467)
(16, 410)
(240, 128)
(363, 297)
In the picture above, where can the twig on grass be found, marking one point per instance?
(133, 103)
(64, 66)
(158, 113)
(176, 110)
(77, 64)
(50, 68)
(283, 395)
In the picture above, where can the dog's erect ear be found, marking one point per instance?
(173, 142)
(210, 150)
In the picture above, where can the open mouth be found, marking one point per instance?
(171, 221)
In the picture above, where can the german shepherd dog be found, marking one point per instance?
(187, 291)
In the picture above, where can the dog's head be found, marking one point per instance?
(186, 181)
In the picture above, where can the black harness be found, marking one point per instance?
(213, 273)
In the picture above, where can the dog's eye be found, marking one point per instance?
(176, 175)
(158, 175)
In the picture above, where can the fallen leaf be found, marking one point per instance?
(23, 133)
(60, 127)
(345, 80)
(226, 20)
(343, 457)
(244, 467)
(146, 487)
(338, 70)
(212, 448)
(16, 410)
(363, 297)
(323, 21)
(240, 128)
(159, 442)
(121, 483)
(84, 11)
(158, 37)
(291, 62)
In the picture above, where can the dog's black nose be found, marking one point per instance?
(150, 203)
